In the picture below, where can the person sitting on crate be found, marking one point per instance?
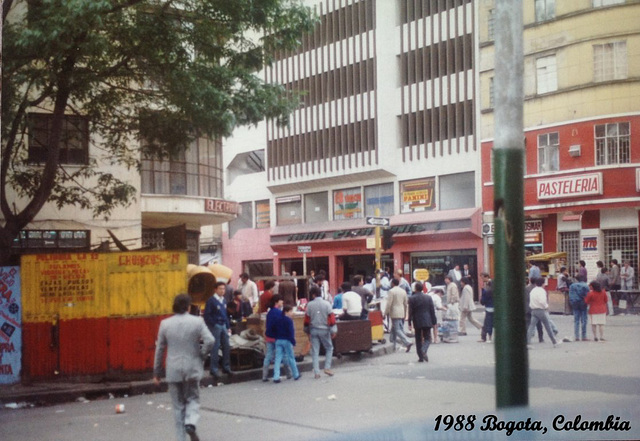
(351, 303)
(239, 308)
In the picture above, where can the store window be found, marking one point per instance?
(612, 143)
(570, 243)
(74, 139)
(548, 152)
(380, 197)
(347, 204)
(316, 207)
(263, 214)
(417, 195)
(457, 191)
(289, 210)
(622, 244)
(243, 220)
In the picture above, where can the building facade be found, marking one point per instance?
(386, 128)
(582, 128)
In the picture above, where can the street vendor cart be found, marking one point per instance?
(550, 264)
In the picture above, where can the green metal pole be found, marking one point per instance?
(512, 371)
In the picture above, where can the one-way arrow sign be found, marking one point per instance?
(378, 221)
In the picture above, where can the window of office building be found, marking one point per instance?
(243, 220)
(546, 74)
(548, 152)
(316, 207)
(610, 61)
(612, 143)
(289, 210)
(417, 195)
(197, 171)
(263, 214)
(545, 10)
(457, 191)
(74, 139)
(347, 204)
(378, 196)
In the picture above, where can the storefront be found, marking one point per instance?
(436, 241)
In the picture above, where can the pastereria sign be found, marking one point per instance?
(570, 186)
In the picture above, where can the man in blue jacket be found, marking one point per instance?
(217, 320)
(577, 292)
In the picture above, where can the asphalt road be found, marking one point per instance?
(391, 397)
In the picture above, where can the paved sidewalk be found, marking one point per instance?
(47, 393)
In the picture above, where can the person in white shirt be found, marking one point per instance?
(626, 276)
(351, 303)
(249, 289)
(539, 305)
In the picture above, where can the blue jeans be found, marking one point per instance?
(222, 340)
(284, 350)
(321, 336)
(397, 331)
(580, 315)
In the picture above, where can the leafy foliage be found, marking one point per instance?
(162, 70)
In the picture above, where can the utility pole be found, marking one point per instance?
(378, 252)
(512, 370)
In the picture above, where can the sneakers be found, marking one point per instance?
(191, 431)
(328, 372)
(316, 376)
(556, 344)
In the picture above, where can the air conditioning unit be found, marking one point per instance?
(575, 150)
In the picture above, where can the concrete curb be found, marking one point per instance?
(43, 394)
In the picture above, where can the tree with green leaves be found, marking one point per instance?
(165, 71)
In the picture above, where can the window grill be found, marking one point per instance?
(622, 244)
(570, 244)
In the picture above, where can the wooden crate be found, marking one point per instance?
(353, 336)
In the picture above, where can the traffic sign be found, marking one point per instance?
(378, 221)
(304, 248)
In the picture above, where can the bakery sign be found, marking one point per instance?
(570, 186)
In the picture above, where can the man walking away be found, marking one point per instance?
(487, 301)
(538, 304)
(180, 336)
(577, 293)
(320, 325)
(396, 309)
(422, 317)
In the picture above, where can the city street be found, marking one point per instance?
(387, 397)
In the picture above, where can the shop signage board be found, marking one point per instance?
(304, 248)
(570, 186)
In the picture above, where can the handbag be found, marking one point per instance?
(622, 304)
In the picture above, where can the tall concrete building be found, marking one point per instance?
(386, 128)
(582, 128)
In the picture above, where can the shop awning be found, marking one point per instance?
(547, 256)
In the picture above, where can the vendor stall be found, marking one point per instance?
(550, 264)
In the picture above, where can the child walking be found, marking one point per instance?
(285, 341)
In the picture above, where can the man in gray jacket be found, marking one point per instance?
(180, 335)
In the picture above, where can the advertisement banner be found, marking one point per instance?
(10, 325)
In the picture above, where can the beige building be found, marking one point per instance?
(582, 127)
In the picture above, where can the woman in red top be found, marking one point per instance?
(597, 301)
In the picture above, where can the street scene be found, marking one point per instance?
(319, 220)
(383, 397)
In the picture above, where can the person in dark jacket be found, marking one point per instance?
(285, 341)
(487, 301)
(577, 293)
(422, 317)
